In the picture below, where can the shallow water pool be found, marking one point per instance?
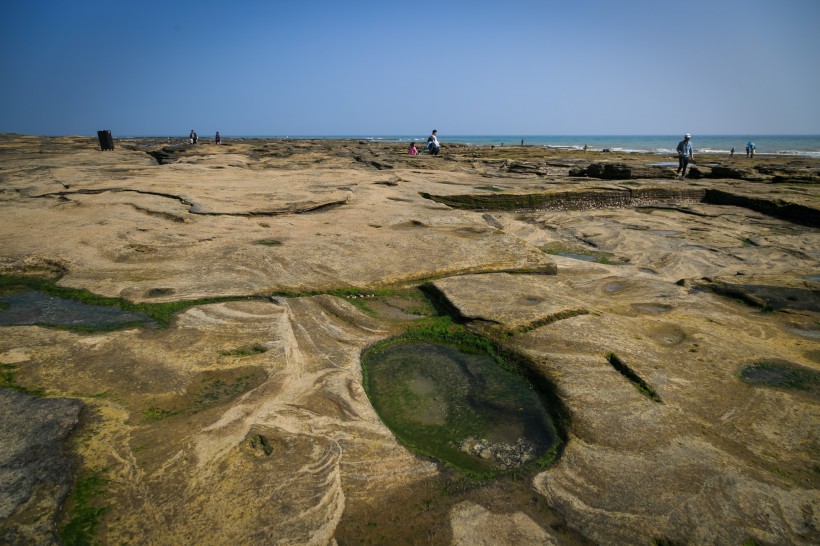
(32, 307)
(463, 409)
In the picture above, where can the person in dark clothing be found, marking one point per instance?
(433, 145)
(685, 154)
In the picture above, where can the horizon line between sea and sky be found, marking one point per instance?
(781, 144)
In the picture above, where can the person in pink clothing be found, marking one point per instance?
(412, 150)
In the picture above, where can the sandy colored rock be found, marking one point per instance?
(474, 525)
(246, 419)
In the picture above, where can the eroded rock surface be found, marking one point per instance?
(247, 420)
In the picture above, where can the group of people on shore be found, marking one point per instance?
(192, 138)
(433, 145)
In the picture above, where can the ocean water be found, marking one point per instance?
(787, 145)
(793, 145)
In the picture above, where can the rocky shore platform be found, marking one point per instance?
(677, 319)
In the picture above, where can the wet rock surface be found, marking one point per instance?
(246, 420)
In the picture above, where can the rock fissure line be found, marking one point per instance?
(791, 212)
(570, 200)
(629, 198)
(622, 368)
(549, 319)
(193, 208)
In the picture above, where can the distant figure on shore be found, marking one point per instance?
(750, 149)
(522, 141)
(433, 145)
(685, 154)
(585, 147)
(412, 150)
(192, 138)
(732, 151)
(217, 138)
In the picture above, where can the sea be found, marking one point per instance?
(786, 145)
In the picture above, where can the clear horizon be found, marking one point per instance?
(524, 67)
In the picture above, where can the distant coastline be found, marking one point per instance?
(786, 145)
(779, 145)
(789, 145)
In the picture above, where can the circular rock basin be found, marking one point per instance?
(782, 374)
(463, 409)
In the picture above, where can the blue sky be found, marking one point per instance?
(310, 67)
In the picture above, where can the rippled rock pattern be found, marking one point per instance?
(245, 420)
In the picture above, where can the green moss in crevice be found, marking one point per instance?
(156, 413)
(8, 379)
(86, 509)
(255, 349)
(622, 368)
(562, 315)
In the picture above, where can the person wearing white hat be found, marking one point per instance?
(685, 154)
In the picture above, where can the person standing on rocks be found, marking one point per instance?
(685, 154)
(217, 138)
(750, 149)
(192, 138)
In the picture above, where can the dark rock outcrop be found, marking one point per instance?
(736, 173)
(165, 155)
(621, 171)
(35, 475)
(521, 167)
(777, 208)
(570, 200)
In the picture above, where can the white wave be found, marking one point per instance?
(630, 151)
(798, 153)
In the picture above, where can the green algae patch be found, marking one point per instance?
(458, 404)
(255, 349)
(86, 508)
(8, 380)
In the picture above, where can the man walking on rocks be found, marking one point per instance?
(685, 154)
